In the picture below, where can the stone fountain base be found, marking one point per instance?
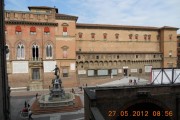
(37, 110)
(68, 100)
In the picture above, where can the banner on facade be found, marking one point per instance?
(20, 66)
(125, 67)
(134, 70)
(72, 66)
(119, 70)
(81, 72)
(148, 68)
(49, 66)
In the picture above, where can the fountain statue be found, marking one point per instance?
(57, 96)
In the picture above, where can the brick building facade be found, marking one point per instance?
(40, 38)
(178, 51)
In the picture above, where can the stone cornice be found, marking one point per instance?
(115, 52)
(66, 18)
(31, 23)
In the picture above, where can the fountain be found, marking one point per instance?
(57, 96)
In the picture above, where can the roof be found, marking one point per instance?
(80, 25)
(65, 16)
(109, 26)
(169, 27)
(42, 7)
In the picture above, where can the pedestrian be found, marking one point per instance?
(81, 88)
(29, 115)
(28, 106)
(36, 95)
(86, 84)
(25, 104)
(135, 83)
(73, 90)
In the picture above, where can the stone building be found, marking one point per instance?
(178, 50)
(41, 38)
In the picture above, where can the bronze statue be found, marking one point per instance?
(57, 71)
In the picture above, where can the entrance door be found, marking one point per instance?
(125, 72)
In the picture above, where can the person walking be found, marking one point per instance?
(25, 104)
(36, 95)
(30, 115)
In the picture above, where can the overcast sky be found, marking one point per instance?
(156, 13)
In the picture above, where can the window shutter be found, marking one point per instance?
(18, 29)
(46, 29)
(32, 29)
(64, 29)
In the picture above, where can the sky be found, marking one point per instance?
(157, 13)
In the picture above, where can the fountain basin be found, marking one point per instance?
(68, 100)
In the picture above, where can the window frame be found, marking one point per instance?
(20, 53)
(49, 51)
(38, 74)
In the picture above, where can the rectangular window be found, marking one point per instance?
(114, 71)
(65, 31)
(102, 72)
(90, 72)
(65, 72)
(35, 73)
(65, 54)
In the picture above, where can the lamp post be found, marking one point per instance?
(4, 89)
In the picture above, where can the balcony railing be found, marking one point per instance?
(35, 59)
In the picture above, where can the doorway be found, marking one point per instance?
(125, 72)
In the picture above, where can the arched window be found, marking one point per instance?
(117, 36)
(35, 52)
(170, 36)
(65, 53)
(145, 37)
(136, 36)
(80, 34)
(149, 37)
(93, 35)
(20, 51)
(130, 36)
(49, 51)
(105, 36)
